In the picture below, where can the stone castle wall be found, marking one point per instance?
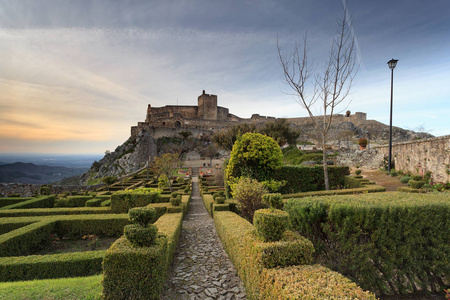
(421, 156)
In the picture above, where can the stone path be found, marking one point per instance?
(201, 268)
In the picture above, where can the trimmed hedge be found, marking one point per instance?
(12, 200)
(72, 201)
(310, 282)
(134, 272)
(208, 201)
(122, 201)
(309, 178)
(389, 243)
(51, 266)
(30, 238)
(140, 272)
(54, 211)
(250, 255)
(365, 189)
(94, 202)
(41, 202)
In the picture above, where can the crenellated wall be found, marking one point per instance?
(421, 156)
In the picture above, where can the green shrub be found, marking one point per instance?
(142, 215)
(309, 178)
(122, 201)
(416, 184)
(94, 203)
(255, 264)
(34, 267)
(40, 202)
(394, 173)
(134, 273)
(140, 273)
(53, 211)
(219, 194)
(254, 155)
(12, 200)
(358, 172)
(248, 192)
(220, 200)
(174, 194)
(417, 177)
(370, 238)
(270, 224)
(72, 201)
(140, 236)
(273, 200)
(176, 201)
(405, 179)
(106, 203)
(309, 282)
(101, 225)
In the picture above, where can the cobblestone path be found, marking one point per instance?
(201, 268)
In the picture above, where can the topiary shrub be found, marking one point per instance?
(141, 236)
(142, 215)
(219, 194)
(220, 200)
(417, 177)
(174, 194)
(358, 172)
(176, 201)
(405, 179)
(394, 173)
(274, 201)
(415, 184)
(270, 224)
(248, 192)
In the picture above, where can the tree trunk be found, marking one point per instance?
(325, 165)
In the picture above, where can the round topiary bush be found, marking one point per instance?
(175, 201)
(358, 171)
(274, 201)
(220, 200)
(174, 194)
(417, 177)
(142, 215)
(140, 236)
(405, 179)
(416, 184)
(270, 224)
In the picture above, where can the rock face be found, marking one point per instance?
(127, 158)
(366, 159)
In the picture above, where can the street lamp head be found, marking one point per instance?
(392, 63)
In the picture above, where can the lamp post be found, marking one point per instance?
(392, 63)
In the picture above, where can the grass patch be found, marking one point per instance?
(52, 289)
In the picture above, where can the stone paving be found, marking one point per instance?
(201, 268)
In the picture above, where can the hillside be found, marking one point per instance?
(36, 174)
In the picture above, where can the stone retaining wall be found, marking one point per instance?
(421, 156)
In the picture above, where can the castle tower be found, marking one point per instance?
(207, 106)
(148, 119)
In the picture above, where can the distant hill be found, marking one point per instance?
(38, 174)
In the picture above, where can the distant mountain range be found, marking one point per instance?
(19, 172)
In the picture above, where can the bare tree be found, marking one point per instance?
(331, 85)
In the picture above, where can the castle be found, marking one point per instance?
(207, 117)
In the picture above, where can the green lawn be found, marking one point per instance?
(50, 289)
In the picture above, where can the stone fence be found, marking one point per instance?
(421, 156)
(26, 189)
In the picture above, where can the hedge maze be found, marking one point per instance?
(28, 225)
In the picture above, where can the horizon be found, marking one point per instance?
(79, 74)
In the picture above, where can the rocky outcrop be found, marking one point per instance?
(127, 158)
(366, 159)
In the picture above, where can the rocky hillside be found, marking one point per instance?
(127, 158)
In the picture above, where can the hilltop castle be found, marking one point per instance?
(205, 118)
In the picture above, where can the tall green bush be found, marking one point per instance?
(255, 156)
(248, 192)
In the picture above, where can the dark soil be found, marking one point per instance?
(65, 245)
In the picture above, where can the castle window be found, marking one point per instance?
(177, 124)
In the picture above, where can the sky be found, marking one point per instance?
(76, 75)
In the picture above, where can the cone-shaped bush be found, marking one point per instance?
(142, 215)
(270, 224)
(141, 236)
